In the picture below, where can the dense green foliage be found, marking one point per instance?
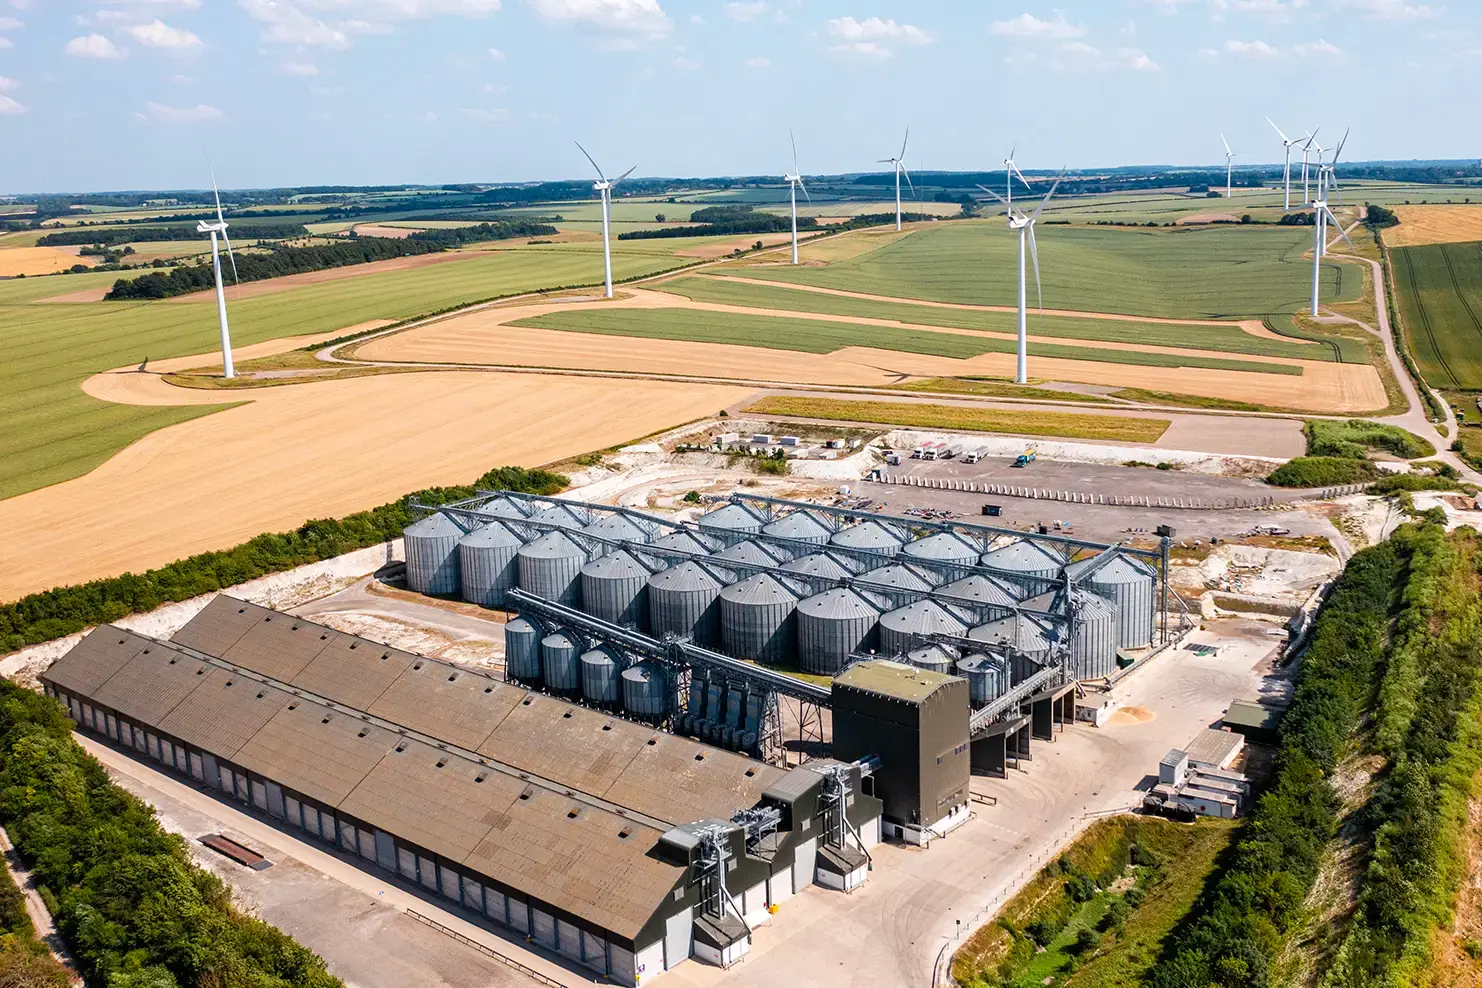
(1355, 438)
(1244, 917)
(1323, 471)
(723, 221)
(1378, 216)
(54, 613)
(503, 230)
(278, 261)
(155, 234)
(1436, 294)
(129, 900)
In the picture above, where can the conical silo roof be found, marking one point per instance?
(817, 564)
(839, 603)
(491, 536)
(869, 536)
(758, 589)
(435, 525)
(1026, 634)
(896, 576)
(505, 507)
(984, 589)
(1024, 556)
(799, 525)
(680, 541)
(615, 565)
(748, 552)
(686, 576)
(731, 518)
(923, 617)
(1118, 568)
(551, 545)
(943, 546)
(559, 514)
(617, 527)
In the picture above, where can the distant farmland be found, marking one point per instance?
(1438, 289)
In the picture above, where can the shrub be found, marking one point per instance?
(1354, 438)
(1086, 940)
(1323, 471)
(1116, 913)
(1080, 888)
(1408, 482)
(693, 497)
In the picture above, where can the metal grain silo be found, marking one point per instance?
(559, 665)
(944, 547)
(507, 507)
(432, 554)
(799, 526)
(731, 518)
(1021, 632)
(487, 559)
(550, 567)
(1093, 647)
(867, 536)
(680, 541)
(986, 590)
(933, 658)
(560, 514)
(819, 564)
(758, 620)
(831, 625)
(600, 668)
(752, 552)
(617, 527)
(522, 651)
(897, 576)
(682, 602)
(614, 588)
(646, 691)
(1027, 559)
(1131, 585)
(987, 677)
(923, 617)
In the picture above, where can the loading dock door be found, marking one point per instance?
(385, 851)
(803, 863)
(678, 931)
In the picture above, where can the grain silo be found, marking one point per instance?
(731, 518)
(614, 588)
(1131, 585)
(432, 554)
(896, 576)
(680, 541)
(988, 591)
(682, 602)
(869, 536)
(522, 651)
(1021, 632)
(923, 617)
(618, 528)
(1093, 647)
(1029, 560)
(831, 625)
(987, 677)
(559, 666)
(933, 658)
(507, 507)
(561, 515)
(488, 560)
(600, 669)
(800, 526)
(949, 548)
(758, 620)
(817, 564)
(646, 691)
(550, 567)
(752, 552)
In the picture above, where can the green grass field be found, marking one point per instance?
(1188, 273)
(54, 432)
(1226, 339)
(1063, 425)
(814, 336)
(1438, 289)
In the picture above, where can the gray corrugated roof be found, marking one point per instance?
(89, 663)
(223, 712)
(459, 707)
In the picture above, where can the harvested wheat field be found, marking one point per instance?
(740, 243)
(484, 338)
(314, 451)
(1435, 225)
(32, 261)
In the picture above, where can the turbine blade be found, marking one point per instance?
(905, 142)
(805, 189)
(794, 140)
(589, 158)
(908, 181)
(1311, 138)
(625, 175)
(1046, 200)
(1014, 147)
(1278, 131)
(1341, 232)
(230, 256)
(1226, 144)
(994, 194)
(1034, 253)
(885, 161)
(215, 191)
(1021, 176)
(1340, 145)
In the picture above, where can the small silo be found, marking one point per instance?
(432, 554)
(1028, 560)
(817, 564)
(948, 548)
(682, 602)
(488, 560)
(522, 651)
(750, 551)
(869, 536)
(933, 658)
(1093, 648)
(758, 620)
(559, 665)
(986, 675)
(1131, 585)
(831, 625)
(550, 567)
(800, 526)
(898, 627)
(561, 515)
(731, 518)
(645, 691)
(1023, 633)
(614, 588)
(896, 576)
(681, 542)
(618, 528)
(986, 590)
(600, 669)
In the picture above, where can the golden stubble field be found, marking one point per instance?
(1433, 224)
(32, 261)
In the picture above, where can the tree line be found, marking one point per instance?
(724, 221)
(501, 230)
(156, 234)
(279, 261)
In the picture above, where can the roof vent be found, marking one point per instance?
(525, 794)
(228, 682)
(700, 756)
(526, 701)
(624, 834)
(572, 814)
(120, 641)
(261, 694)
(401, 747)
(480, 777)
(200, 672)
(751, 773)
(293, 706)
(441, 762)
(241, 610)
(354, 644)
(653, 741)
(326, 719)
(415, 665)
(452, 677)
(385, 656)
(321, 637)
(566, 715)
(363, 732)
(607, 727)
(294, 628)
(488, 689)
(173, 661)
(146, 651)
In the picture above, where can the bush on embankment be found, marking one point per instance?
(56, 613)
(1323, 471)
(1356, 438)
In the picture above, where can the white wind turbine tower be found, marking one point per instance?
(1009, 171)
(603, 186)
(1320, 219)
(1307, 150)
(219, 227)
(1287, 173)
(898, 163)
(1025, 226)
(1230, 157)
(795, 182)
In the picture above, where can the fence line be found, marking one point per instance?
(1264, 502)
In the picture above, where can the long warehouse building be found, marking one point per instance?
(624, 848)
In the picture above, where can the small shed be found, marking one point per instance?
(1258, 720)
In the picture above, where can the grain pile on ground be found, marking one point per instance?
(314, 451)
(32, 261)
(1435, 225)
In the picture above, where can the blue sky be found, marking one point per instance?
(114, 94)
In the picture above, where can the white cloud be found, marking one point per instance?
(485, 116)
(1271, 10)
(746, 11)
(300, 68)
(287, 25)
(1251, 49)
(636, 18)
(758, 63)
(8, 85)
(158, 34)
(870, 49)
(356, 26)
(10, 108)
(11, 24)
(160, 113)
(92, 46)
(1077, 56)
(1393, 10)
(151, 4)
(1321, 48)
(1029, 26)
(875, 29)
(688, 64)
(1169, 7)
(6, 43)
(493, 90)
(181, 80)
(429, 117)
(496, 54)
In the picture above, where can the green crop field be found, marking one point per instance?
(814, 336)
(53, 431)
(1181, 273)
(1227, 339)
(1438, 288)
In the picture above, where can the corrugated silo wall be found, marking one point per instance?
(1094, 647)
(432, 563)
(826, 640)
(617, 598)
(1136, 604)
(765, 631)
(487, 572)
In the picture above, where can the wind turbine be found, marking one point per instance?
(1230, 157)
(1306, 150)
(603, 186)
(219, 227)
(795, 182)
(1320, 219)
(1025, 226)
(898, 163)
(1287, 174)
(1009, 171)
